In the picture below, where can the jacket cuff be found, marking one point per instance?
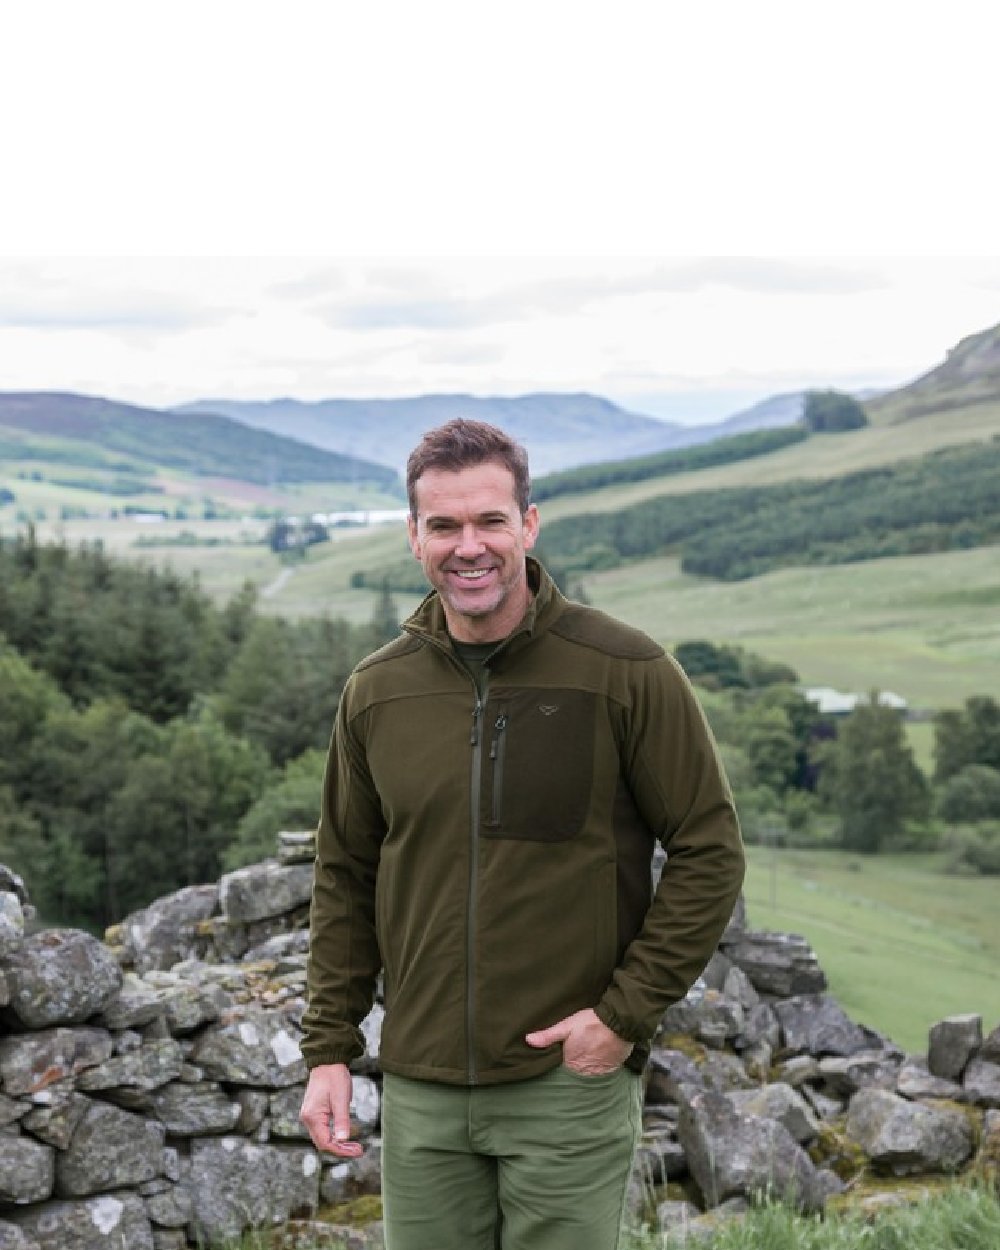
(625, 1030)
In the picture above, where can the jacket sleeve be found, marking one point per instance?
(344, 959)
(676, 777)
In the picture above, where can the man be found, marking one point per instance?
(496, 780)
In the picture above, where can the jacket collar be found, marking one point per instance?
(428, 621)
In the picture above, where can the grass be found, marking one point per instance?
(902, 943)
(958, 1219)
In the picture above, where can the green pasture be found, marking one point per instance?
(819, 456)
(923, 626)
(902, 943)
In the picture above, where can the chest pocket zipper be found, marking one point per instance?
(496, 758)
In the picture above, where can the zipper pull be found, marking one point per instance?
(500, 724)
(476, 713)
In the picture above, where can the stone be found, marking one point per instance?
(14, 1238)
(60, 976)
(264, 890)
(11, 1110)
(865, 1069)
(915, 1081)
(236, 1184)
(782, 1103)
(165, 932)
(170, 1207)
(776, 963)
(253, 1105)
(11, 923)
(907, 1138)
(739, 1156)
(668, 1073)
(148, 1067)
(712, 1019)
(27, 1171)
(951, 1044)
(760, 1024)
(990, 1048)
(981, 1082)
(193, 1110)
(345, 1179)
(55, 1121)
(256, 1047)
(660, 1158)
(107, 1222)
(32, 1061)
(816, 1024)
(110, 1148)
(136, 1003)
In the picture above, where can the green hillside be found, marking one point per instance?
(96, 442)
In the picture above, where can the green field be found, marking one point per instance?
(902, 943)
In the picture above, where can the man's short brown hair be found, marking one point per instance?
(460, 444)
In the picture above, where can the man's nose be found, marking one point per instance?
(470, 542)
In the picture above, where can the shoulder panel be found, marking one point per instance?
(405, 644)
(592, 628)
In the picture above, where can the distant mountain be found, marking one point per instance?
(970, 374)
(559, 430)
(84, 429)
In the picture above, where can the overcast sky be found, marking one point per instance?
(681, 208)
(688, 338)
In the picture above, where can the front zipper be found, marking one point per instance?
(497, 755)
(471, 909)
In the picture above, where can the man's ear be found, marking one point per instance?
(531, 524)
(411, 529)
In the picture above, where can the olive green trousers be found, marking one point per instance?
(542, 1164)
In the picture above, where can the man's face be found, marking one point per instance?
(470, 537)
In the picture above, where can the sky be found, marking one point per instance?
(682, 211)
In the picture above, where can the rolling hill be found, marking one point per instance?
(99, 434)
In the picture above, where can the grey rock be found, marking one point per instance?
(264, 890)
(11, 1110)
(165, 932)
(782, 1103)
(111, 1148)
(56, 1120)
(731, 1155)
(776, 963)
(153, 1064)
(170, 1207)
(169, 1239)
(11, 923)
(915, 1081)
(845, 1075)
(714, 1019)
(60, 976)
(798, 1071)
(27, 1171)
(669, 1072)
(990, 1048)
(137, 1003)
(32, 1061)
(660, 1158)
(952, 1043)
(190, 1110)
(253, 1105)
(345, 1179)
(14, 1238)
(236, 1184)
(907, 1138)
(256, 1048)
(981, 1082)
(760, 1024)
(106, 1222)
(816, 1024)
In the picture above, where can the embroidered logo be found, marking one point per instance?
(548, 709)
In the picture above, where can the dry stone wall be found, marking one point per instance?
(150, 1083)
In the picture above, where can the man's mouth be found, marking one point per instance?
(471, 575)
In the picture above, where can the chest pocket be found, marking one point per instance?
(538, 764)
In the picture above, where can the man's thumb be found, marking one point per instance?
(548, 1037)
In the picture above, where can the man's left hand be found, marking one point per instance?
(589, 1046)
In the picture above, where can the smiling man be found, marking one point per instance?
(496, 782)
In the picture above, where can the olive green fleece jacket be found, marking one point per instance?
(493, 854)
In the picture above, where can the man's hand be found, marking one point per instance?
(328, 1098)
(589, 1046)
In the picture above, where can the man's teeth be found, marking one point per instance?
(471, 575)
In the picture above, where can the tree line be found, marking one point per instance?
(142, 727)
(942, 501)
